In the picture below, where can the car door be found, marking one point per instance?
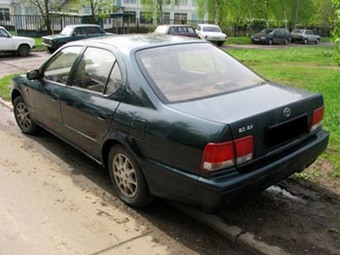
(88, 104)
(6, 41)
(45, 93)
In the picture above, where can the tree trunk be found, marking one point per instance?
(47, 17)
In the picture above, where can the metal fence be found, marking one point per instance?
(34, 25)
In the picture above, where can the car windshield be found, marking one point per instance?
(193, 71)
(211, 29)
(4, 33)
(161, 29)
(266, 31)
(67, 31)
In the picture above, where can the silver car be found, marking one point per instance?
(305, 36)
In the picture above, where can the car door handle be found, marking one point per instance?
(55, 98)
(99, 117)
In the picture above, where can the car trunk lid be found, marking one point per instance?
(274, 115)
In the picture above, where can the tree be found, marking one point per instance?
(154, 8)
(336, 29)
(98, 8)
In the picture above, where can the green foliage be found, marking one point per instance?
(5, 87)
(308, 68)
(336, 29)
(283, 13)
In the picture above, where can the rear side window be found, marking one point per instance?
(93, 70)
(188, 72)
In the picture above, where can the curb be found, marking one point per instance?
(233, 233)
(6, 104)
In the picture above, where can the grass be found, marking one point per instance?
(38, 45)
(310, 68)
(5, 87)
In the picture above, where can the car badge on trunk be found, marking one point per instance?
(287, 112)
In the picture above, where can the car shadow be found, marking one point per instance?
(159, 214)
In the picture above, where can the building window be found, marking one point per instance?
(4, 14)
(132, 18)
(166, 17)
(180, 18)
(130, 1)
(182, 2)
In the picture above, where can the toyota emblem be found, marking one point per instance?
(287, 112)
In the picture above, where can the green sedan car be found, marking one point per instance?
(72, 33)
(171, 117)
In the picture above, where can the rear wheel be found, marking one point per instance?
(285, 42)
(127, 178)
(317, 41)
(24, 50)
(23, 117)
(270, 42)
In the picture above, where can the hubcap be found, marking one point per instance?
(124, 175)
(23, 116)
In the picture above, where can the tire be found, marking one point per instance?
(285, 42)
(50, 50)
(220, 44)
(127, 178)
(270, 42)
(23, 117)
(60, 45)
(305, 41)
(24, 50)
(317, 41)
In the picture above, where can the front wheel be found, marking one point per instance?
(317, 41)
(127, 178)
(23, 117)
(305, 41)
(270, 42)
(24, 50)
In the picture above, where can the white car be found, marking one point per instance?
(211, 33)
(17, 44)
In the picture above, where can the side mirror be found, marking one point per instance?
(33, 74)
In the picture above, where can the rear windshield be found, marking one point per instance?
(193, 71)
(211, 29)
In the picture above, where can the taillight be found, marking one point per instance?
(244, 149)
(317, 118)
(217, 156)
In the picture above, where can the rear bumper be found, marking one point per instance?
(212, 193)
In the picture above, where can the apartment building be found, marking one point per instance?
(174, 11)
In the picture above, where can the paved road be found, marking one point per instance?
(10, 64)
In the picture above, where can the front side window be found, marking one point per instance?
(58, 69)
(193, 71)
(93, 70)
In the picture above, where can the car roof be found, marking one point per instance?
(173, 25)
(83, 25)
(132, 42)
(206, 25)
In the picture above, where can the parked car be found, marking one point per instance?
(15, 44)
(72, 33)
(166, 125)
(211, 33)
(305, 36)
(181, 30)
(272, 36)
